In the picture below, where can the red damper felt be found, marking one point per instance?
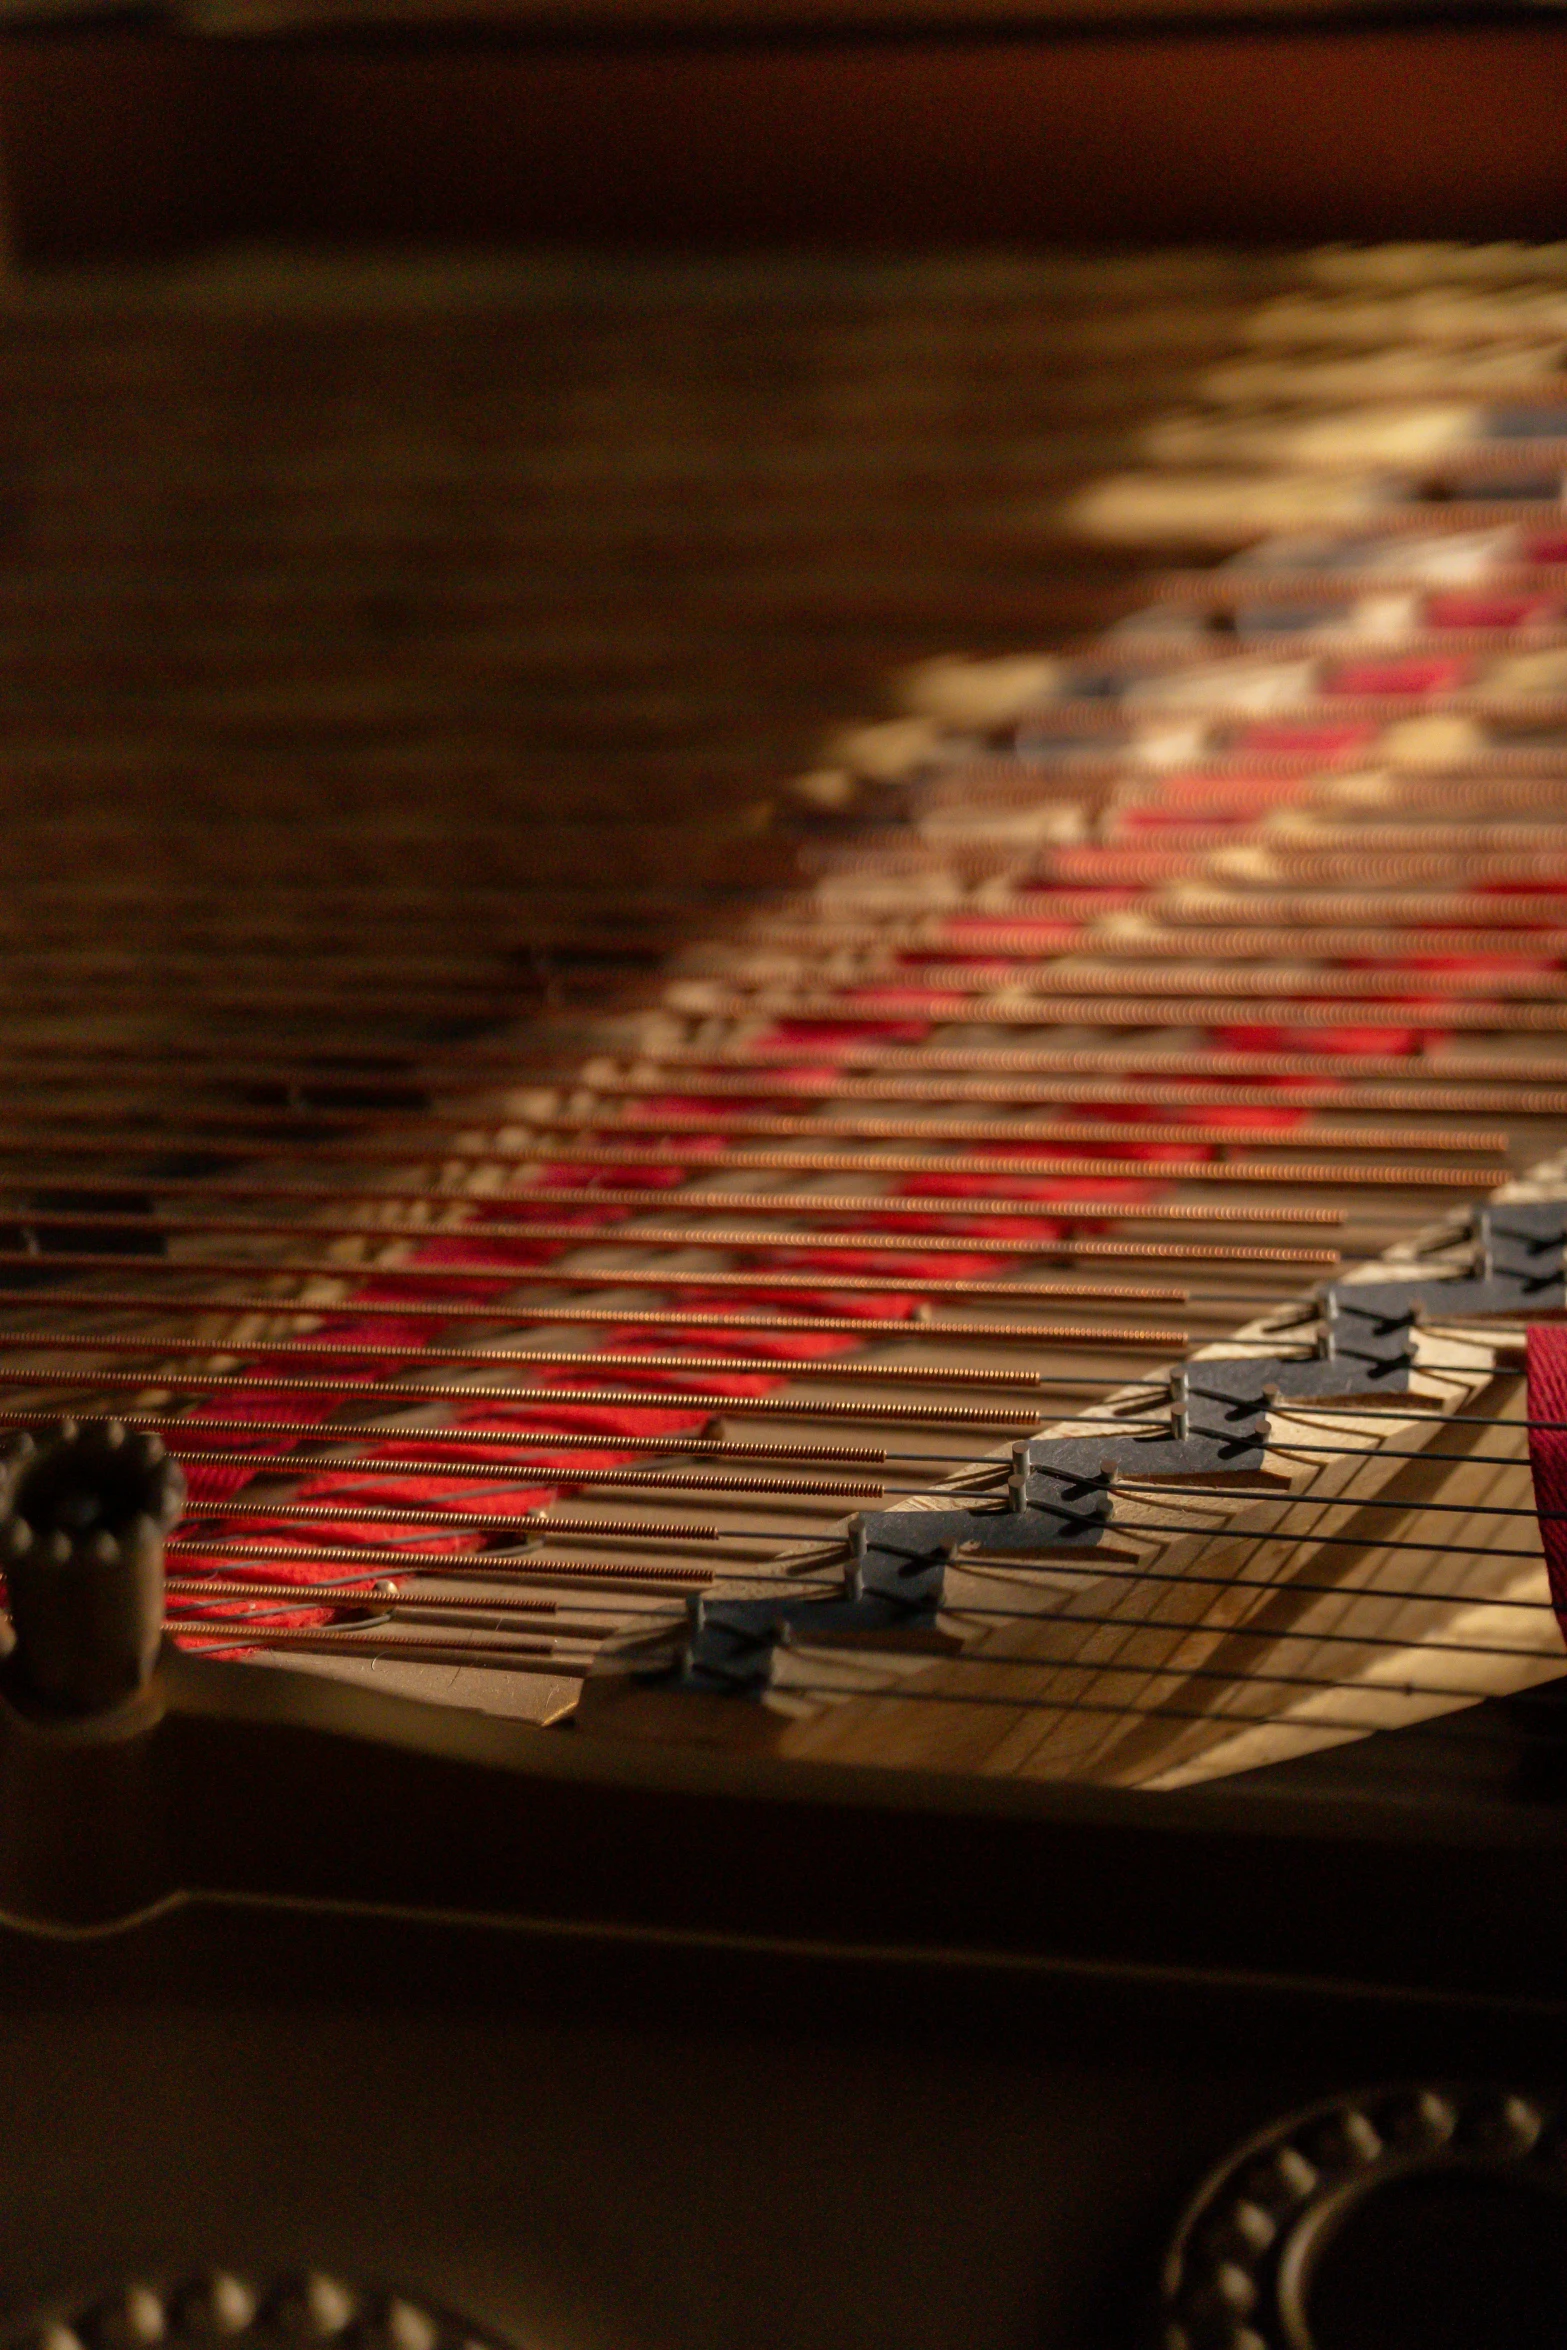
(1547, 1360)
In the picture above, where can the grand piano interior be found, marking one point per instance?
(461, 460)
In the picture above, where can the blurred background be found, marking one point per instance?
(513, 431)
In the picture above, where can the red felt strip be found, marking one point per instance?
(1547, 1389)
(1415, 673)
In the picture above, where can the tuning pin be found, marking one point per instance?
(1484, 1240)
(83, 1514)
(1328, 1327)
(1180, 1405)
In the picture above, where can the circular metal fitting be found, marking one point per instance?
(1428, 2216)
(84, 1508)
